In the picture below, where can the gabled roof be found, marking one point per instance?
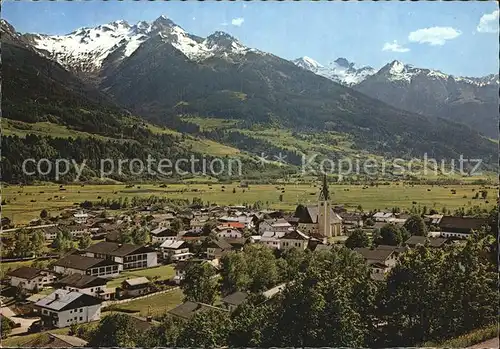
(163, 232)
(422, 240)
(188, 309)
(26, 273)
(461, 224)
(82, 262)
(61, 300)
(137, 281)
(310, 215)
(173, 244)
(376, 254)
(116, 249)
(220, 243)
(82, 281)
(295, 235)
(235, 298)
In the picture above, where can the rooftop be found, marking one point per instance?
(82, 281)
(61, 300)
(82, 262)
(27, 273)
(235, 298)
(116, 249)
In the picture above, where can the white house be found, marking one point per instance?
(383, 216)
(275, 225)
(175, 250)
(162, 234)
(63, 308)
(80, 217)
(30, 278)
(294, 239)
(76, 230)
(91, 285)
(228, 232)
(272, 239)
(128, 255)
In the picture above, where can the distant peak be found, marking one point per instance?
(221, 35)
(164, 21)
(307, 63)
(343, 62)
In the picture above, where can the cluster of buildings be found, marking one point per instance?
(80, 277)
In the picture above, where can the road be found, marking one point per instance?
(492, 343)
(25, 323)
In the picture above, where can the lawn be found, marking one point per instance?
(164, 272)
(155, 305)
(25, 203)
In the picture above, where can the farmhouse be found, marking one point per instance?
(30, 278)
(91, 285)
(175, 250)
(294, 239)
(135, 287)
(128, 255)
(227, 232)
(460, 227)
(276, 225)
(63, 308)
(218, 248)
(415, 240)
(160, 235)
(76, 264)
(381, 259)
(272, 239)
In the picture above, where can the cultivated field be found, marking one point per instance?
(25, 203)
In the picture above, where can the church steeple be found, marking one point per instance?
(324, 194)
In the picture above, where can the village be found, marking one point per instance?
(131, 258)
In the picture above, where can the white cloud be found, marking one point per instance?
(435, 36)
(394, 47)
(238, 21)
(194, 18)
(224, 24)
(489, 23)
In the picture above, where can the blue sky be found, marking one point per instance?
(456, 37)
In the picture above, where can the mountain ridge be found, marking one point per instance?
(162, 82)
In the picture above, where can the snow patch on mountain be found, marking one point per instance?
(341, 70)
(87, 48)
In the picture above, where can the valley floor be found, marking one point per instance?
(24, 203)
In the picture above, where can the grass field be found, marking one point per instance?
(155, 305)
(25, 203)
(164, 272)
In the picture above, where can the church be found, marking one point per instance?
(319, 219)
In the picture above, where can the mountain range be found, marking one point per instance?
(118, 73)
(468, 100)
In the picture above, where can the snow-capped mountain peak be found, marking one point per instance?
(86, 49)
(340, 70)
